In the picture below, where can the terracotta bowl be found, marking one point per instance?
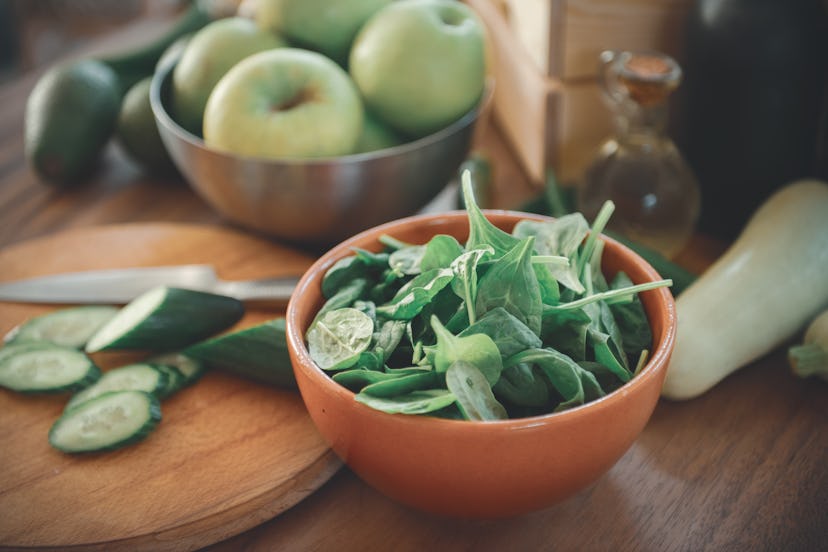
(478, 469)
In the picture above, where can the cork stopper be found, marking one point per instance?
(648, 78)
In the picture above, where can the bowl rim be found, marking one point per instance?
(655, 366)
(163, 74)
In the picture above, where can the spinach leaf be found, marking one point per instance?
(388, 336)
(465, 281)
(340, 273)
(477, 349)
(345, 297)
(338, 338)
(594, 236)
(473, 392)
(416, 294)
(631, 319)
(509, 334)
(403, 384)
(371, 259)
(566, 331)
(440, 252)
(406, 260)
(482, 232)
(357, 378)
(562, 237)
(521, 385)
(416, 402)
(607, 381)
(562, 372)
(511, 283)
(604, 354)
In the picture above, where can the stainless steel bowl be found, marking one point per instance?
(314, 201)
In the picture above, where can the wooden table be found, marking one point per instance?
(743, 467)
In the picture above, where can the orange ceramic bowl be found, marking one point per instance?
(478, 469)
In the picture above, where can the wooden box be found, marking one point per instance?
(544, 57)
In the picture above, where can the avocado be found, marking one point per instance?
(70, 115)
(137, 131)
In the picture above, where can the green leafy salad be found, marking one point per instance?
(506, 325)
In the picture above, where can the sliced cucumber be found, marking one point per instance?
(140, 376)
(13, 348)
(71, 327)
(167, 319)
(107, 422)
(258, 352)
(174, 378)
(189, 369)
(46, 368)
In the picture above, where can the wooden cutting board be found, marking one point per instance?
(229, 454)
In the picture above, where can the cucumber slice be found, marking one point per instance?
(71, 327)
(189, 369)
(174, 378)
(46, 368)
(14, 348)
(107, 422)
(136, 377)
(167, 319)
(258, 353)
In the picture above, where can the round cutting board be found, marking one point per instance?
(228, 454)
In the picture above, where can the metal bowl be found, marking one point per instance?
(314, 201)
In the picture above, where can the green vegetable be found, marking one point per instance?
(70, 116)
(258, 353)
(45, 368)
(504, 325)
(166, 319)
(107, 422)
(810, 357)
(338, 338)
(474, 393)
(768, 285)
(69, 327)
(186, 369)
(137, 377)
(72, 111)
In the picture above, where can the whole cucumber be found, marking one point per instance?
(70, 115)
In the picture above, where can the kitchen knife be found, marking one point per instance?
(124, 284)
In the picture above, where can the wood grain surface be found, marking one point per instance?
(228, 454)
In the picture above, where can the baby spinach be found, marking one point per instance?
(465, 281)
(416, 294)
(406, 260)
(440, 252)
(509, 334)
(403, 384)
(476, 349)
(338, 337)
(416, 402)
(522, 385)
(505, 324)
(473, 392)
(511, 283)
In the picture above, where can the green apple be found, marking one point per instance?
(420, 64)
(282, 103)
(208, 55)
(326, 26)
(376, 135)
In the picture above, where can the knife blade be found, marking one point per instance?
(121, 285)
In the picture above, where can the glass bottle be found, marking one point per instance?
(639, 168)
